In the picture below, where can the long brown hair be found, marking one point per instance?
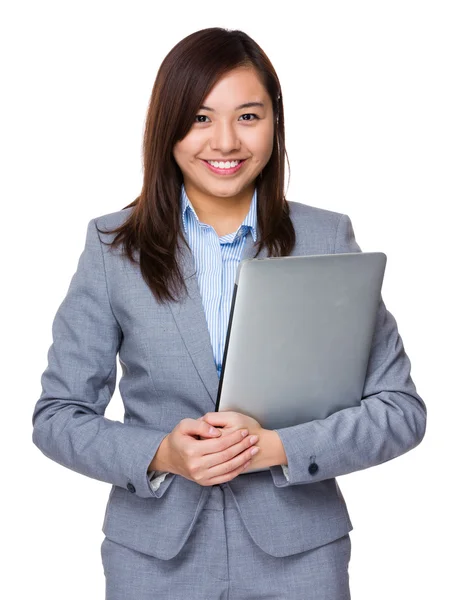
(184, 79)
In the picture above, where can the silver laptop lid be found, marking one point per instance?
(299, 336)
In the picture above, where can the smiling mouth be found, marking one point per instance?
(225, 164)
(224, 168)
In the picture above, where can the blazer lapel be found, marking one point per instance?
(190, 319)
(250, 248)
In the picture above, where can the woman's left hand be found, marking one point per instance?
(229, 421)
(272, 451)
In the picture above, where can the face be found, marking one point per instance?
(230, 141)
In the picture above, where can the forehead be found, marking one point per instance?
(238, 86)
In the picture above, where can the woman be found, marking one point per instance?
(154, 284)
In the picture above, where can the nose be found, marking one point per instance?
(224, 138)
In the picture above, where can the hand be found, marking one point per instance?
(272, 451)
(217, 458)
(232, 421)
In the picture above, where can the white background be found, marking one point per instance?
(368, 95)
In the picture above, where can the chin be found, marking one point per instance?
(227, 191)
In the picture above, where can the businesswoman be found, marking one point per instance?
(154, 285)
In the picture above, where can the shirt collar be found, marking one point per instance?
(249, 223)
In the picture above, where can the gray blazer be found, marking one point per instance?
(168, 373)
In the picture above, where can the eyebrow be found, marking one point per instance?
(246, 105)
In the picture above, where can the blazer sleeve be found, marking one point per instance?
(390, 420)
(69, 425)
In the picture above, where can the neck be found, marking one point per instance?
(225, 215)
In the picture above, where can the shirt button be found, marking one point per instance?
(313, 468)
(131, 488)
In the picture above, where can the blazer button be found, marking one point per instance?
(313, 468)
(131, 488)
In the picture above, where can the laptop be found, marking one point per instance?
(299, 336)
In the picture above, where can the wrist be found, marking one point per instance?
(160, 460)
(272, 451)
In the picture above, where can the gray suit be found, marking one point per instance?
(169, 374)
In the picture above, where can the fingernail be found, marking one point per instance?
(253, 439)
(214, 431)
(244, 432)
(254, 451)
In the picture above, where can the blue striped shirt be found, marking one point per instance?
(216, 261)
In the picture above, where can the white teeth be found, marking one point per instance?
(224, 165)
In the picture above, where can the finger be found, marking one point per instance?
(225, 453)
(220, 419)
(229, 476)
(213, 445)
(205, 420)
(235, 464)
(195, 427)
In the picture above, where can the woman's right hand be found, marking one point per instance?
(206, 461)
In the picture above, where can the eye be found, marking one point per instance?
(201, 119)
(249, 117)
